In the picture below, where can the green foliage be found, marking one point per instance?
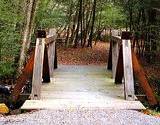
(112, 16)
(155, 81)
(50, 14)
(56, 13)
(9, 36)
(144, 22)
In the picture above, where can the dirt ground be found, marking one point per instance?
(98, 55)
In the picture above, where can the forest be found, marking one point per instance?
(77, 23)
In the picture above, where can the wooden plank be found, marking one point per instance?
(84, 90)
(116, 38)
(141, 76)
(51, 37)
(128, 70)
(51, 50)
(115, 53)
(91, 104)
(50, 40)
(51, 57)
(38, 68)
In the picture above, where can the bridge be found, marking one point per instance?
(68, 86)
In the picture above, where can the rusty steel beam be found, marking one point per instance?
(46, 74)
(55, 59)
(141, 76)
(110, 57)
(23, 78)
(120, 68)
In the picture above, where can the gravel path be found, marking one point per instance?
(81, 117)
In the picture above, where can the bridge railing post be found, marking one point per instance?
(113, 54)
(44, 62)
(122, 65)
(128, 70)
(38, 68)
(52, 51)
(128, 66)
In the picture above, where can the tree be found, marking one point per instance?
(144, 24)
(92, 25)
(10, 34)
(26, 40)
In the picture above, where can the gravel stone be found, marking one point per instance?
(81, 117)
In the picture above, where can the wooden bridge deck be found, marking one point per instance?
(82, 86)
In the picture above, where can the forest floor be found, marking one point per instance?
(98, 55)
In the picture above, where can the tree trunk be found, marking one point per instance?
(82, 23)
(92, 27)
(27, 32)
(73, 29)
(131, 19)
(87, 26)
(69, 25)
(78, 25)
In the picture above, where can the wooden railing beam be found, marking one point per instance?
(51, 56)
(115, 53)
(128, 70)
(38, 69)
(51, 43)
